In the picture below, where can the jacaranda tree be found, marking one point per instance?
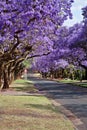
(70, 46)
(27, 29)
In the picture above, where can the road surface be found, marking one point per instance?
(71, 97)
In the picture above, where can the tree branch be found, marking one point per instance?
(38, 55)
(14, 47)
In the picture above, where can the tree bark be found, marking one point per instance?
(0, 82)
(6, 81)
(86, 74)
(85, 71)
(1, 77)
(11, 77)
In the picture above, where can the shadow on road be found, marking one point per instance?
(72, 97)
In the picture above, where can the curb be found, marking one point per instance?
(68, 114)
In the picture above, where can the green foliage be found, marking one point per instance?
(27, 63)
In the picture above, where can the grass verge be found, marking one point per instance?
(24, 86)
(75, 82)
(30, 113)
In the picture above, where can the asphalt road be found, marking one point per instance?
(72, 98)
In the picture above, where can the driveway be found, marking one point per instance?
(73, 99)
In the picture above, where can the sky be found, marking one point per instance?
(76, 11)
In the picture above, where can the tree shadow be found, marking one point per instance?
(24, 87)
(80, 110)
(61, 90)
(48, 107)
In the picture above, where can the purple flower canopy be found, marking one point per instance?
(70, 47)
(39, 23)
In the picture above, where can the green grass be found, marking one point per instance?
(75, 82)
(82, 84)
(24, 86)
(68, 81)
(18, 81)
(30, 113)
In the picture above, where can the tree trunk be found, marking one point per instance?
(11, 77)
(0, 82)
(1, 75)
(6, 81)
(86, 74)
(83, 66)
